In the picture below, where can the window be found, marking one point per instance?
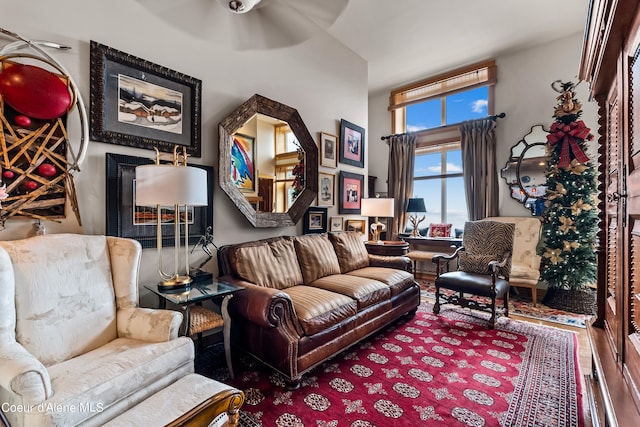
(433, 108)
(437, 178)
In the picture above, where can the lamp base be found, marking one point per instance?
(177, 284)
(415, 223)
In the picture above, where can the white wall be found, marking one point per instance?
(523, 92)
(322, 79)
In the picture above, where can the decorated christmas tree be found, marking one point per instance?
(569, 221)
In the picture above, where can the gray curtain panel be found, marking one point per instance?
(478, 143)
(402, 150)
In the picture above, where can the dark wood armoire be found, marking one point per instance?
(611, 64)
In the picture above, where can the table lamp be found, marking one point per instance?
(415, 207)
(378, 207)
(172, 185)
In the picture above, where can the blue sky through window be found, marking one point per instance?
(466, 105)
(430, 165)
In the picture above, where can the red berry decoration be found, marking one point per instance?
(31, 185)
(23, 121)
(8, 174)
(47, 170)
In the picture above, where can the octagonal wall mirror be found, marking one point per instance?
(268, 162)
(525, 170)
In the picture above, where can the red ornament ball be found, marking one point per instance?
(23, 121)
(8, 174)
(34, 91)
(47, 170)
(31, 185)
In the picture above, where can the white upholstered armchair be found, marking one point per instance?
(75, 348)
(525, 267)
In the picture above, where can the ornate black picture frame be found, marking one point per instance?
(120, 207)
(140, 104)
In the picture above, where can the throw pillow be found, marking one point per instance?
(316, 256)
(270, 264)
(350, 249)
(440, 230)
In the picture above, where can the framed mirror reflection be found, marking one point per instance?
(525, 170)
(268, 162)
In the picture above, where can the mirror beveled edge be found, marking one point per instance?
(234, 121)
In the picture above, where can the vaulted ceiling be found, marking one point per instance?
(406, 40)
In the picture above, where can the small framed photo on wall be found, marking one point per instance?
(328, 150)
(351, 144)
(315, 220)
(326, 189)
(351, 187)
(358, 225)
(336, 223)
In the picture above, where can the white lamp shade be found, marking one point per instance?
(377, 207)
(168, 185)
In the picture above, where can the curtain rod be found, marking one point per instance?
(494, 118)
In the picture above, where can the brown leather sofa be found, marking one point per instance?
(307, 298)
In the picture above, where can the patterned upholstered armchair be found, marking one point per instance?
(484, 264)
(75, 348)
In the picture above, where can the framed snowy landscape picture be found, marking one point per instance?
(140, 104)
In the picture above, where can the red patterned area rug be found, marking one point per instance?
(522, 306)
(445, 370)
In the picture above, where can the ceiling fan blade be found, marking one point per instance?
(322, 12)
(270, 24)
(204, 19)
(274, 26)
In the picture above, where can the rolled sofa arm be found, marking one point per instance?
(265, 307)
(148, 324)
(397, 262)
(23, 375)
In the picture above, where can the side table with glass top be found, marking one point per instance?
(191, 300)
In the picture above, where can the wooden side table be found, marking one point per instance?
(387, 248)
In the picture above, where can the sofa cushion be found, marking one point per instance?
(270, 263)
(102, 377)
(523, 274)
(318, 309)
(363, 289)
(396, 280)
(350, 249)
(316, 256)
